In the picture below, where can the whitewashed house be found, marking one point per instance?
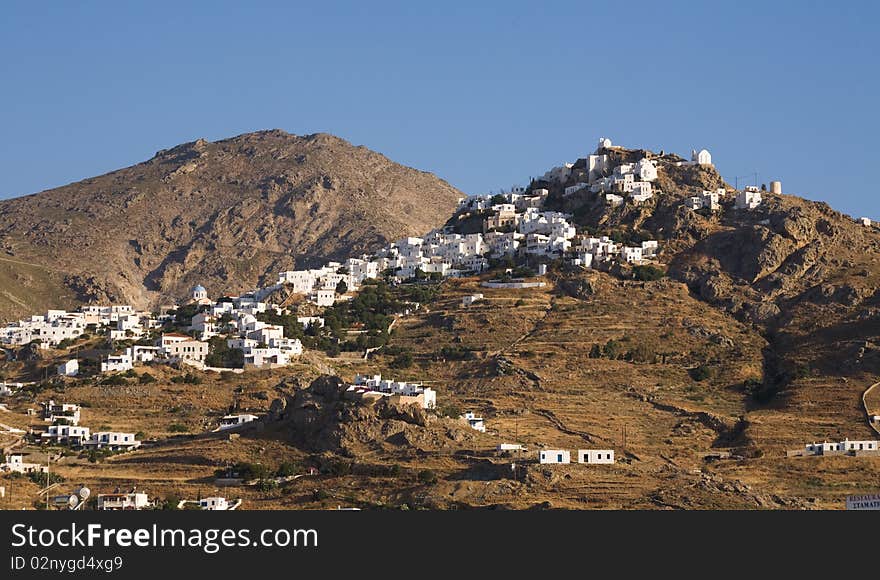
(632, 254)
(265, 357)
(72, 435)
(558, 456)
(509, 447)
(232, 421)
(112, 440)
(214, 504)
(645, 170)
(598, 166)
(749, 198)
(66, 412)
(613, 199)
(117, 363)
(865, 221)
(123, 501)
(641, 192)
(266, 333)
(307, 321)
(14, 463)
(475, 422)
(375, 385)
(844, 446)
(603, 456)
(205, 324)
(324, 296)
(290, 346)
(187, 350)
(142, 354)
(69, 368)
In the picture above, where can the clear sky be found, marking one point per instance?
(484, 94)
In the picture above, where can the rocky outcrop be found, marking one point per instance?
(321, 418)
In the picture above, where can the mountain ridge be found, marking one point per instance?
(227, 214)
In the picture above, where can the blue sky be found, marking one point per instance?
(484, 94)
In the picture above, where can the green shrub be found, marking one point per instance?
(700, 373)
(287, 468)
(648, 273)
(402, 361)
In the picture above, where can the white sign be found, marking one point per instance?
(863, 502)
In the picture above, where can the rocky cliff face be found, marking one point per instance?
(320, 418)
(228, 214)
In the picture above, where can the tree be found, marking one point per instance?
(342, 287)
(498, 199)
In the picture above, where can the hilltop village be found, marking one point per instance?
(510, 240)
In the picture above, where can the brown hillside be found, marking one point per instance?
(227, 214)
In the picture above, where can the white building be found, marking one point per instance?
(266, 357)
(595, 456)
(142, 354)
(290, 346)
(199, 295)
(324, 297)
(406, 392)
(307, 321)
(72, 435)
(865, 221)
(840, 447)
(632, 254)
(117, 363)
(703, 157)
(15, 463)
(184, 350)
(66, 412)
(123, 501)
(645, 170)
(554, 456)
(613, 200)
(474, 421)
(232, 421)
(749, 198)
(113, 440)
(509, 447)
(214, 503)
(69, 368)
